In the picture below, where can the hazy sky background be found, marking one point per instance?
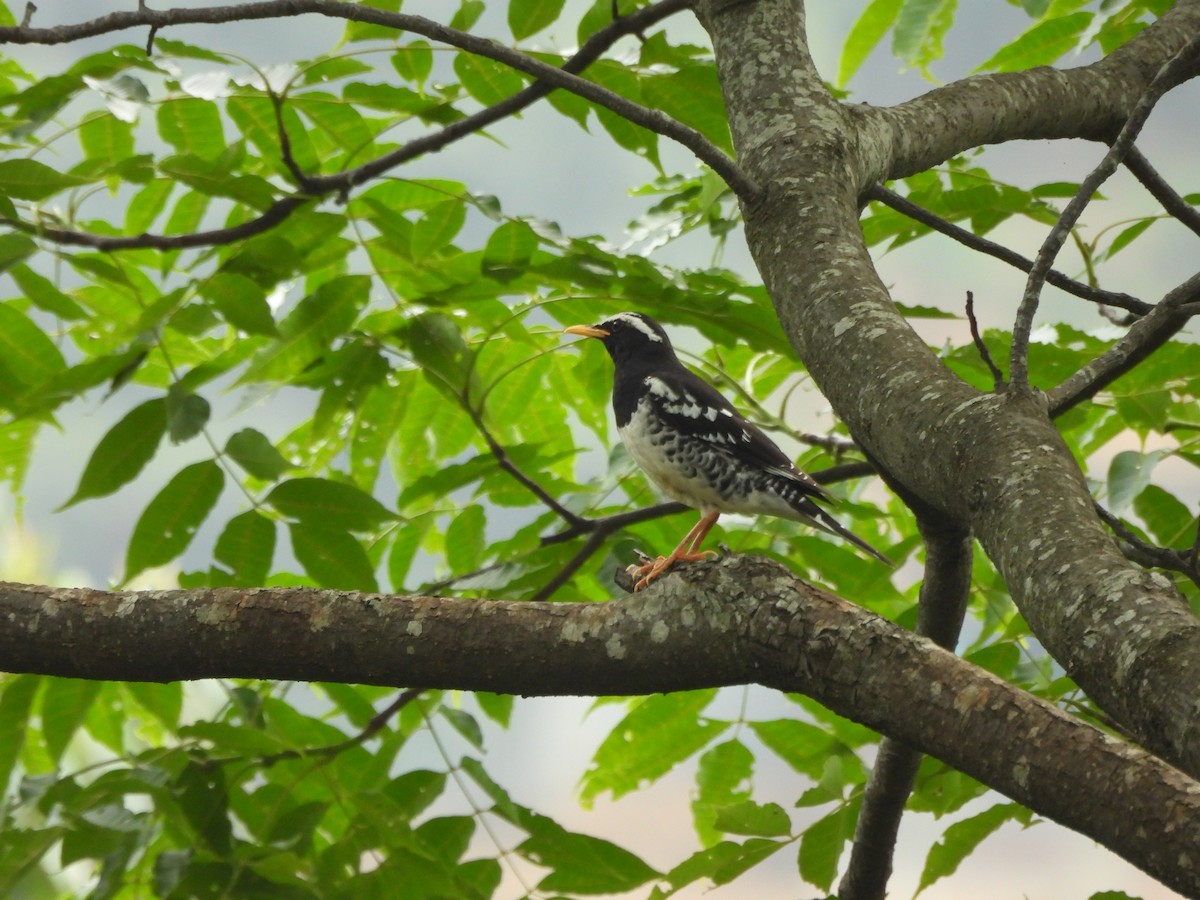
(546, 166)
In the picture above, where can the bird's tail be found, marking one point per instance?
(826, 522)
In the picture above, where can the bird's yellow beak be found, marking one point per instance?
(587, 331)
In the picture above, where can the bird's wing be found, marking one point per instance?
(689, 404)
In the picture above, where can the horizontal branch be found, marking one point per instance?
(736, 620)
(649, 118)
(1091, 102)
(969, 239)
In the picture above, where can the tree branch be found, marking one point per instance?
(1144, 337)
(1166, 195)
(1168, 76)
(984, 353)
(341, 182)
(552, 76)
(906, 207)
(943, 605)
(732, 621)
(994, 463)
(1147, 554)
(1090, 102)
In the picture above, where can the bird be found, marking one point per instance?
(696, 447)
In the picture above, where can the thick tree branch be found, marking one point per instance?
(944, 594)
(1090, 102)
(969, 239)
(737, 620)
(992, 463)
(1172, 72)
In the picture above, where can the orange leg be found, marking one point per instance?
(685, 552)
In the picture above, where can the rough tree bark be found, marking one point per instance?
(991, 465)
(992, 462)
(733, 621)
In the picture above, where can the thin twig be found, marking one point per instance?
(373, 727)
(505, 462)
(1166, 195)
(906, 207)
(340, 183)
(984, 353)
(1151, 555)
(1163, 81)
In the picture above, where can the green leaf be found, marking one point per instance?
(123, 451)
(191, 125)
(467, 15)
(920, 27)
(464, 723)
(497, 707)
(693, 96)
(333, 559)
(437, 228)
(581, 864)
(657, 734)
(868, 30)
(187, 414)
(961, 838)
(1128, 475)
(309, 329)
(821, 849)
(328, 504)
(1166, 517)
(801, 745)
(28, 179)
(508, 251)
(439, 348)
(247, 546)
(14, 248)
(106, 138)
(254, 452)
(203, 798)
(17, 693)
(171, 519)
(26, 349)
(750, 818)
(43, 293)
(163, 701)
(486, 80)
(240, 301)
(723, 778)
(465, 539)
(413, 61)
(64, 705)
(528, 17)
(1128, 236)
(1043, 44)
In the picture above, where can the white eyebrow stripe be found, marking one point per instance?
(636, 321)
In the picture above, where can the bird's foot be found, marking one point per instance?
(649, 569)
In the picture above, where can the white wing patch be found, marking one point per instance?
(679, 403)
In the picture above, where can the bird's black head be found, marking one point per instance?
(629, 337)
